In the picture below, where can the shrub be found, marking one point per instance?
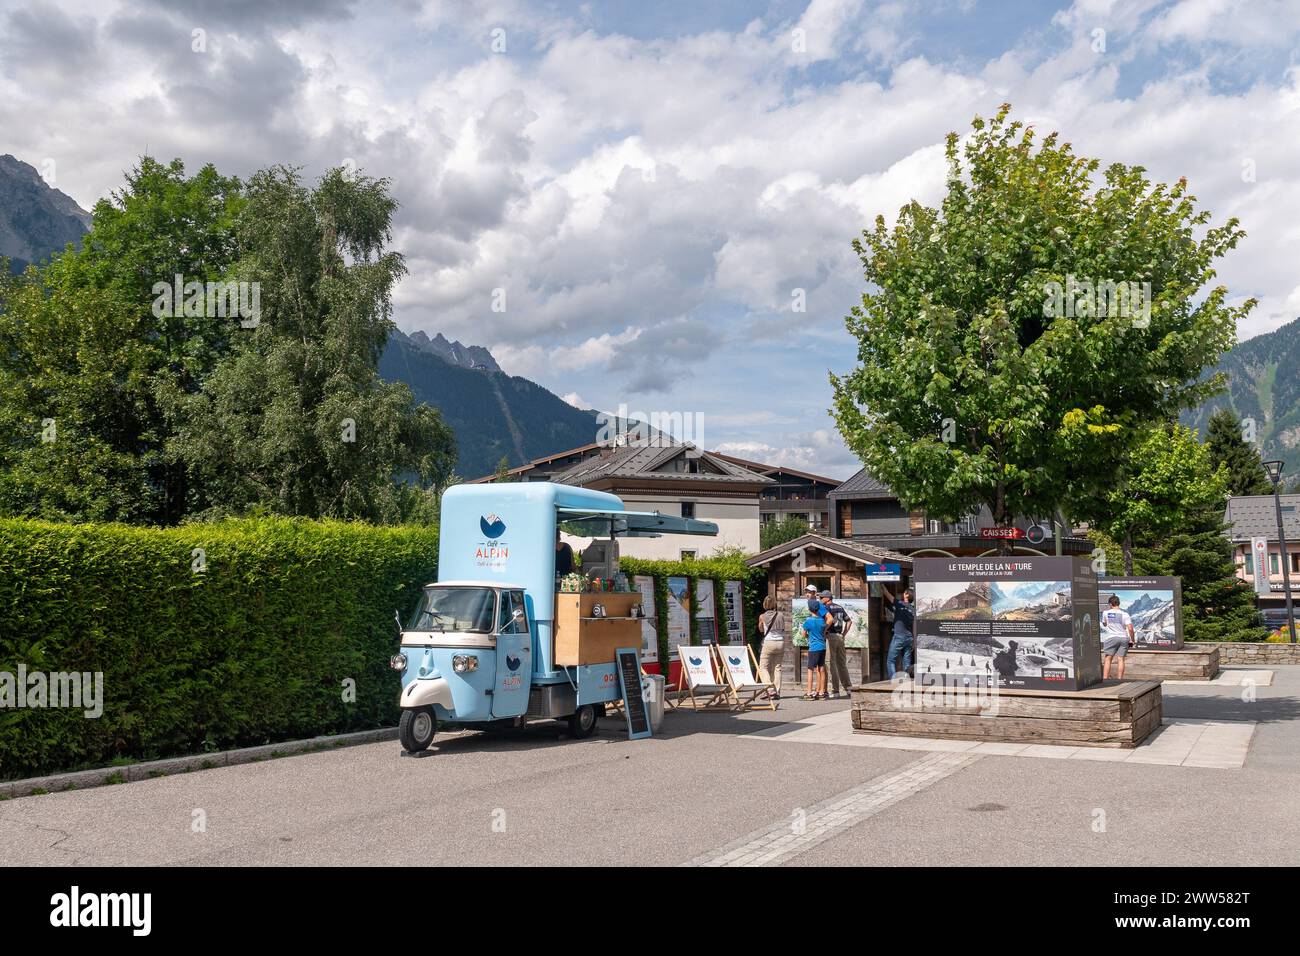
(209, 636)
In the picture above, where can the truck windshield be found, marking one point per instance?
(455, 609)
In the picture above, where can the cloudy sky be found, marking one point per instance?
(653, 184)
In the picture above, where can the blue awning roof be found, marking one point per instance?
(596, 523)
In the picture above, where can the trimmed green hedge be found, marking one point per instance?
(719, 570)
(259, 646)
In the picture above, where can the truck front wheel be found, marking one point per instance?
(416, 730)
(582, 723)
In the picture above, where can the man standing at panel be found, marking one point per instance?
(1116, 635)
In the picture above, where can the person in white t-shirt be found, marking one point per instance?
(1116, 633)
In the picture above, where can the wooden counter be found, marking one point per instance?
(581, 638)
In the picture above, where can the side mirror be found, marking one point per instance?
(397, 616)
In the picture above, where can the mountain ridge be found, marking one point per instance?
(36, 220)
(494, 415)
(1264, 387)
(453, 352)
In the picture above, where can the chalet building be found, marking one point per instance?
(1248, 517)
(866, 510)
(673, 478)
(792, 492)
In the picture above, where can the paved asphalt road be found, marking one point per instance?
(693, 793)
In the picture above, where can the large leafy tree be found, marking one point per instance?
(1166, 477)
(117, 405)
(75, 440)
(977, 384)
(1240, 459)
(295, 420)
(85, 355)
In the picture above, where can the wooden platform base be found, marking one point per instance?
(1109, 714)
(1186, 663)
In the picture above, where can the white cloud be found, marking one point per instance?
(824, 27)
(649, 204)
(536, 360)
(819, 452)
(1239, 22)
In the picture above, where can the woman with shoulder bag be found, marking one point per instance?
(774, 625)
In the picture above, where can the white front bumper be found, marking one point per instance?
(422, 693)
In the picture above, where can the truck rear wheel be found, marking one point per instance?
(417, 728)
(582, 723)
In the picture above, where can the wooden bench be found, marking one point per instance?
(1110, 714)
(1185, 663)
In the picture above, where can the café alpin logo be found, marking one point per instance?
(209, 300)
(491, 553)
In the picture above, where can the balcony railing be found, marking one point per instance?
(966, 526)
(807, 504)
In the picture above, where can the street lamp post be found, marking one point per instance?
(1274, 470)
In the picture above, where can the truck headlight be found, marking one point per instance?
(397, 662)
(462, 663)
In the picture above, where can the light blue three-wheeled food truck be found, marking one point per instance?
(494, 642)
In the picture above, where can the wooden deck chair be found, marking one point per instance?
(738, 666)
(698, 682)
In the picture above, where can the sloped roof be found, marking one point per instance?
(539, 462)
(854, 550)
(863, 485)
(1255, 516)
(641, 461)
(763, 469)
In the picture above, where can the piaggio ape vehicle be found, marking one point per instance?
(494, 642)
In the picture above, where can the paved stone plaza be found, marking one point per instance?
(795, 787)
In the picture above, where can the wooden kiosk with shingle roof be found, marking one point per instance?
(840, 567)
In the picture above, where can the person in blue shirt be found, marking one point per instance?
(815, 627)
(901, 642)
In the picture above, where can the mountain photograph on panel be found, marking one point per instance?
(1153, 611)
(1030, 600)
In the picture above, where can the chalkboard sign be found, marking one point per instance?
(629, 676)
